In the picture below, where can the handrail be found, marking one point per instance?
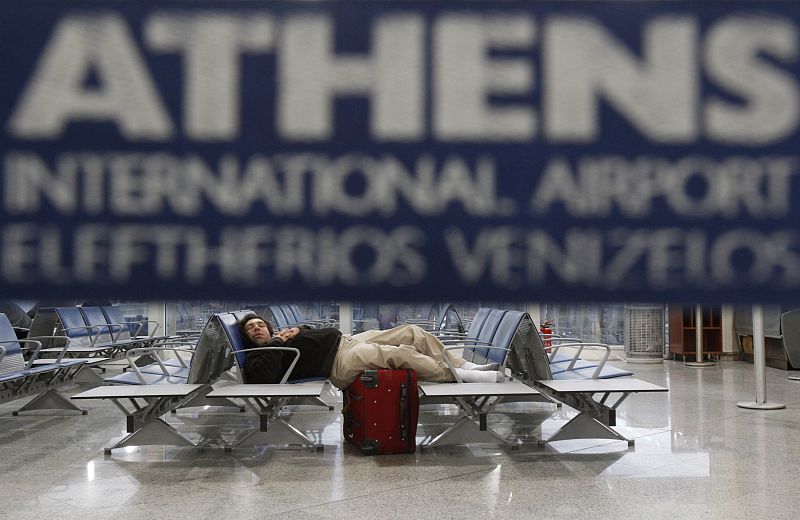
(580, 346)
(28, 363)
(67, 341)
(556, 338)
(154, 351)
(89, 329)
(287, 349)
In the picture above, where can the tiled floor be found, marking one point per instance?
(697, 455)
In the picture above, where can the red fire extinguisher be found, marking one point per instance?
(546, 329)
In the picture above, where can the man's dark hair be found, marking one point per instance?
(253, 316)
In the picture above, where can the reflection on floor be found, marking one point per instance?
(696, 456)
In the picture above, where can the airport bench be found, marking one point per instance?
(497, 329)
(266, 400)
(144, 404)
(24, 378)
(595, 399)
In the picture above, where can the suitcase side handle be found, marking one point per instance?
(349, 420)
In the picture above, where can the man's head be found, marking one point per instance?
(256, 329)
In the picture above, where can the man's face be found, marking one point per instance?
(257, 331)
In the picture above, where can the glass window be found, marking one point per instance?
(595, 322)
(601, 323)
(193, 315)
(382, 316)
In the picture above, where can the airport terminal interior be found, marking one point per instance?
(693, 451)
(606, 151)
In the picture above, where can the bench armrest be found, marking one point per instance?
(449, 337)
(466, 341)
(119, 328)
(141, 324)
(287, 349)
(557, 342)
(154, 352)
(20, 342)
(89, 332)
(580, 347)
(312, 323)
(420, 322)
(65, 339)
(181, 346)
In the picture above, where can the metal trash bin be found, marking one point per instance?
(644, 333)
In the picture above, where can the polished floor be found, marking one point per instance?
(697, 455)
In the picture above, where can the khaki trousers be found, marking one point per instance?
(406, 346)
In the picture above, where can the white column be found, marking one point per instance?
(535, 310)
(698, 333)
(728, 330)
(346, 317)
(760, 366)
(157, 311)
(170, 319)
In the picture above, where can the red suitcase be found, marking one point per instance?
(380, 412)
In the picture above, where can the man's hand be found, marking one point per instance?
(287, 334)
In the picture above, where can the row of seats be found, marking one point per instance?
(487, 322)
(441, 319)
(21, 375)
(489, 336)
(61, 347)
(290, 315)
(93, 332)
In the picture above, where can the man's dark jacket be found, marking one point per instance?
(317, 351)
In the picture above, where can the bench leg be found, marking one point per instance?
(277, 431)
(88, 376)
(49, 400)
(465, 431)
(153, 433)
(584, 426)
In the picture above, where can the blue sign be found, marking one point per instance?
(530, 151)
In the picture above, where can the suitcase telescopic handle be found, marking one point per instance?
(405, 406)
(403, 412)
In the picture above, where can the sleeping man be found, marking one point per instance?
(341, 357)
